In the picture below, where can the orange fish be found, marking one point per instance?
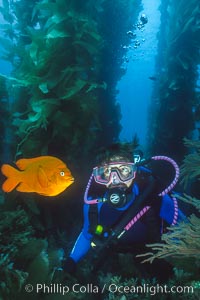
(45, 175)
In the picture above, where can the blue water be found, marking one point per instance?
(135, 88)
(6, 66)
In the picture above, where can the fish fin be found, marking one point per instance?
(23, 187)
(23, 163)
(42, 177)
(12, 180)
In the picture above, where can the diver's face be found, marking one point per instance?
(117, 172)
(119, 175)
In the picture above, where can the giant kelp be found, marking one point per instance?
(56, 54)
(54, 49)
(122, 15)
(173, 120)
(177, 68)
(3, 111)
(64, 54)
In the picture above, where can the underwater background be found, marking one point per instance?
(78, 75)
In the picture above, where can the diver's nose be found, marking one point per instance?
(115, 179)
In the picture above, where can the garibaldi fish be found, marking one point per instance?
(45, 175)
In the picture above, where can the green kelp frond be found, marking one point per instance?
(190, 168)
(182, 240)
(15, 230)
(15, 233)
(23, 257)
(187, 21)
(191, 200)
(38, 115)
(3, 90)
(58, 46)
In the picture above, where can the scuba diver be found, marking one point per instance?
(125, 206)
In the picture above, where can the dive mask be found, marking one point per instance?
(123, 171)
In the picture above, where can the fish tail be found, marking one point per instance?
(12, 178)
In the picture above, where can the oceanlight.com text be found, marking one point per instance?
(150, 289)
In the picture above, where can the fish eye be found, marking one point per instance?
(62, 173)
